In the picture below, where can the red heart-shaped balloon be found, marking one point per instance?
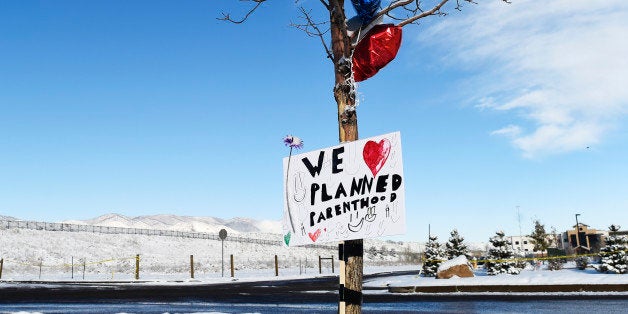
(376, 50)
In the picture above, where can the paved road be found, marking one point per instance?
(311, 290)
(322, 289)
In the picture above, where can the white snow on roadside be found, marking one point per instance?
(526, 277)
(166, 261)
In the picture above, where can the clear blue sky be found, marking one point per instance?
(152, 107)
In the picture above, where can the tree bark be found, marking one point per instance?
(345, 96)
(344, 88)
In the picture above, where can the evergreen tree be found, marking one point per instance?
(500, 256)
(434, 256)
(614, 258)
(540, 237)
(455, 246)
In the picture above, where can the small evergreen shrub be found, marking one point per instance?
(582, 262)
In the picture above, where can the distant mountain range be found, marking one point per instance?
(184, 223)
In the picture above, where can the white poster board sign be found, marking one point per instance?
(351, 191)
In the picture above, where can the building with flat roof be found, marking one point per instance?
(582, 240)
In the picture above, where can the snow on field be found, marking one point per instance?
(112, 256)
(166, 260)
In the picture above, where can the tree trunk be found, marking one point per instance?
(345, 96)
(344, 88)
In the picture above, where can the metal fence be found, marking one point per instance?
(52, 226)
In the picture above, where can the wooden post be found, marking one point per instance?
(41, 261)
(1, 265)
(84, 266)
(320, 265)
(341, 279)
(72, 265)
(137, 267)
(192, 266)
(352, 251)
(332, 263)
(232, 272)
(351, 261)
(276, 266)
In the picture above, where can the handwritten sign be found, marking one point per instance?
(351, 191)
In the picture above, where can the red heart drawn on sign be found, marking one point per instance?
(314, 236)
(375, 154)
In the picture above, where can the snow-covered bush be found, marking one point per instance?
(582, 262)
(613, 254)
(500, 257)
(555, 264)
(434, 256)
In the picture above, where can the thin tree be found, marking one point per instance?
(339, 45)
(540, 238)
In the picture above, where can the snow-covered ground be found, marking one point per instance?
(542, 276)
(112, 256)
(166, 260)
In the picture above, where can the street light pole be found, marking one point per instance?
(577, 234)
(520, 233)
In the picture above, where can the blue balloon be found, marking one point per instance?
(366, 9)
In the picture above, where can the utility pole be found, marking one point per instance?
(577, 234)
(351, 252)
(520, 233)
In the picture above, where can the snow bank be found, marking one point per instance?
(526, 277)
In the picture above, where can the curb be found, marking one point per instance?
(512, 288)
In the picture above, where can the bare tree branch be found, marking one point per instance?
(312, 29)
(433, 11)
(413, 12)
(325, 4)
(413, 7)
(396, 4)
(227, 16)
